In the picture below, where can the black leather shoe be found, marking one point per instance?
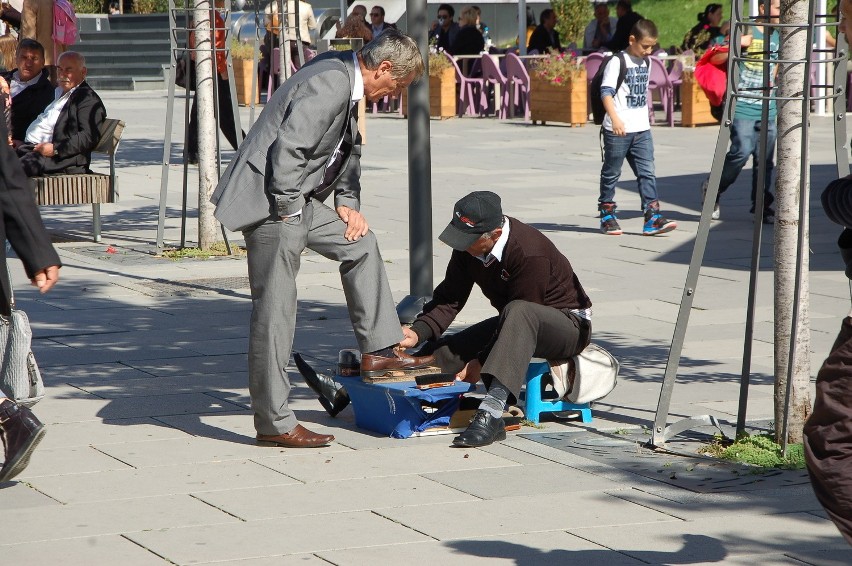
(482, 431)
(21, 432)
(332, 395)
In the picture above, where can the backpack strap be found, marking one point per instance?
(622, 70)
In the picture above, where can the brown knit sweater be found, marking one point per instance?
(532, 270)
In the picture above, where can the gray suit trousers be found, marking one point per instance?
(522, 331)
(274, 253)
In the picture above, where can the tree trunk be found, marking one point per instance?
(791, 80)
(207, 134)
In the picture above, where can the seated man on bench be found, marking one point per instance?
(62, 138)
(543, 310)
(30, 85)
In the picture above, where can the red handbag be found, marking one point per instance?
(713, 79)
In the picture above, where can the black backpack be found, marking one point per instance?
(598, 110)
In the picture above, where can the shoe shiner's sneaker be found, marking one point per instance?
(609, 223)
(716, 214)
(769, 216)
(656, 223)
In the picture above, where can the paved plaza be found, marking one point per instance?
(150, 459)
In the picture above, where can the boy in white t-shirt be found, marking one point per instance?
(627, 132)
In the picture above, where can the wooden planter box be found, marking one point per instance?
(695, 107)
(559, 103)
(242, 81)
(442, 95)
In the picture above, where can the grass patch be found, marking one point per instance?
(527, 422)
(673, 17)
(759, 450)
(217, 249)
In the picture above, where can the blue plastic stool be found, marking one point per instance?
(537, 402)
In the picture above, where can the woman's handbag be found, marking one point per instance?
(185, 73)
(20, 378)
(595, 372)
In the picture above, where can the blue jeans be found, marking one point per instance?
(745, 143)
(638, 148)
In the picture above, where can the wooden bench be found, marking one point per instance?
(85, 188)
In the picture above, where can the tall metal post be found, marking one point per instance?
(419, 176)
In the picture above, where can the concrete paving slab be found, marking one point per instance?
(721, 537)
(290, 560)
(180, 479)
(750, 560)
(289, 535)
(107, 518)
(526, 549)
(68, 435)
(552, 512)
(692, 506)
(92, 551)
(497, 483)
(173, 385)
(81, 406)
(823, 557)
(185, 451)
(19, 495)
(403, 460)
(267, 502)
(192, 365)
(69, 461)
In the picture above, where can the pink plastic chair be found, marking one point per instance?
(517, 73)
(659, 80)
(592, 63)
(491, 75)
(471, 92)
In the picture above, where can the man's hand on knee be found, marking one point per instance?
(356, 224)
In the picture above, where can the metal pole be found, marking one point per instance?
(419, 175)
(522, 27)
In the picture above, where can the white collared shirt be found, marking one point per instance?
(18, 85)
(496, 253)
(41, 130)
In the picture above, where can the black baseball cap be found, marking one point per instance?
(474, 215)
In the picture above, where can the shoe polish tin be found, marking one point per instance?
(349, 363)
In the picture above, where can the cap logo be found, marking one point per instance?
(467, 221)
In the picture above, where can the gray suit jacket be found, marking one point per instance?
(282, 161)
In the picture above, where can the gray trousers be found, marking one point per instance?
(523, 330)
(274, 254)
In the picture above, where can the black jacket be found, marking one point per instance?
(77, 131)
(29, 103)
(20, 221)
(541, 40)
(837, 203)
(469, 41)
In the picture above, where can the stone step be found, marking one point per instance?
(113, 82)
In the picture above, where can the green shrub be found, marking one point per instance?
(90, 6)
(572, 17)
(150, 6)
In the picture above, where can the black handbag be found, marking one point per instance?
(185, 73)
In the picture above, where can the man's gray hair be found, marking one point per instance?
(400, 50)
(75, 55)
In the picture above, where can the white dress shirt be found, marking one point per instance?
(41, 130)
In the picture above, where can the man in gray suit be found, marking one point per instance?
(305, 146)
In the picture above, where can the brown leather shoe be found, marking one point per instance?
(378, 366)
(299, 437)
